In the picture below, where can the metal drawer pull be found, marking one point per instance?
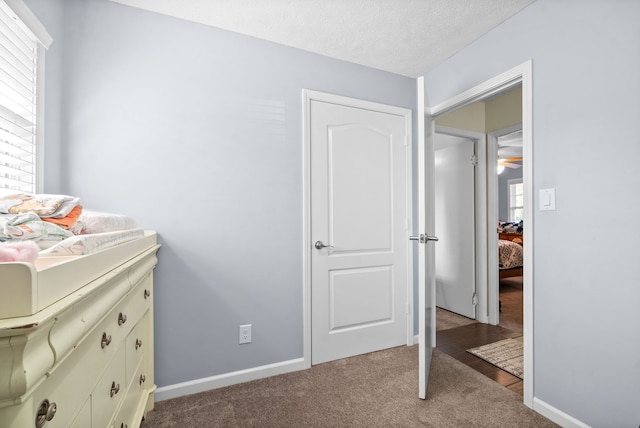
(46, 412)
(122, 318)
(138, 343)
(115, 388)
(142, 379)
(146, 293)
(123, 425)
(106, 340)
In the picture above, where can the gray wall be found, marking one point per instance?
(586, 105)
(50, 14)
(197, 133)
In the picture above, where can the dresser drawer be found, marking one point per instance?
(74, 324)
(133, 406)
(106, 337)
(83, 418)
(109, 391)
(134, 307)
(136, 345)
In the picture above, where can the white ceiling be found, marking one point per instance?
(407, 37)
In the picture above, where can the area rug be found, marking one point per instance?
(506, 354)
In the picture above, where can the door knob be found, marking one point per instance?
(422, 238)
(320, 245)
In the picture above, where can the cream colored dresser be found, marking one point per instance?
(76, 339)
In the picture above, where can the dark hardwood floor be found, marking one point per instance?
(456, 341)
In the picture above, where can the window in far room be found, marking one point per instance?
(516, 199)
(23, 41)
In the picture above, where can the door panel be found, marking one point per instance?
(455, 226)
(426, 257)
(359, 281)
(360, 297)
(360, 185)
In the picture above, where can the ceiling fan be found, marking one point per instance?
(510, 151)
(510, 163)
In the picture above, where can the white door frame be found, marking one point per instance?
(493, 217)
(521, 74)
(480, 237)
(307, 97)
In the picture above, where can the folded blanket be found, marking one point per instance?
(68, 221)
(28, 226)
(57, 206)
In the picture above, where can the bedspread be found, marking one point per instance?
(510, 254)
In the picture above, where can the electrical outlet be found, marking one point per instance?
(245, 334)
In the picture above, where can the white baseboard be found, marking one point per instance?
(556, 415)
(219, 381)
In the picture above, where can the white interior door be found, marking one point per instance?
(455, 219)
(426, 252)
(359, 219)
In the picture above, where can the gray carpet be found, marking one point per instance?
(372, 390)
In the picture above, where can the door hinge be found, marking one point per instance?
(408, 308)
(474, 299)
(406, 141)
(474, 160)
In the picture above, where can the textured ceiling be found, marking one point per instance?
(407, 37)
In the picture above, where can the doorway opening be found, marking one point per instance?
(508, 213)
(517, 79)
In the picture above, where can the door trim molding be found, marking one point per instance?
(311, 95)
(521, 74)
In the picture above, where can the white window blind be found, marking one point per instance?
(20, 53)
(516, 199)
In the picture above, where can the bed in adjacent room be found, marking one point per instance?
(510, 250)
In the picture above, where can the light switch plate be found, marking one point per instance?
(547, 199)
